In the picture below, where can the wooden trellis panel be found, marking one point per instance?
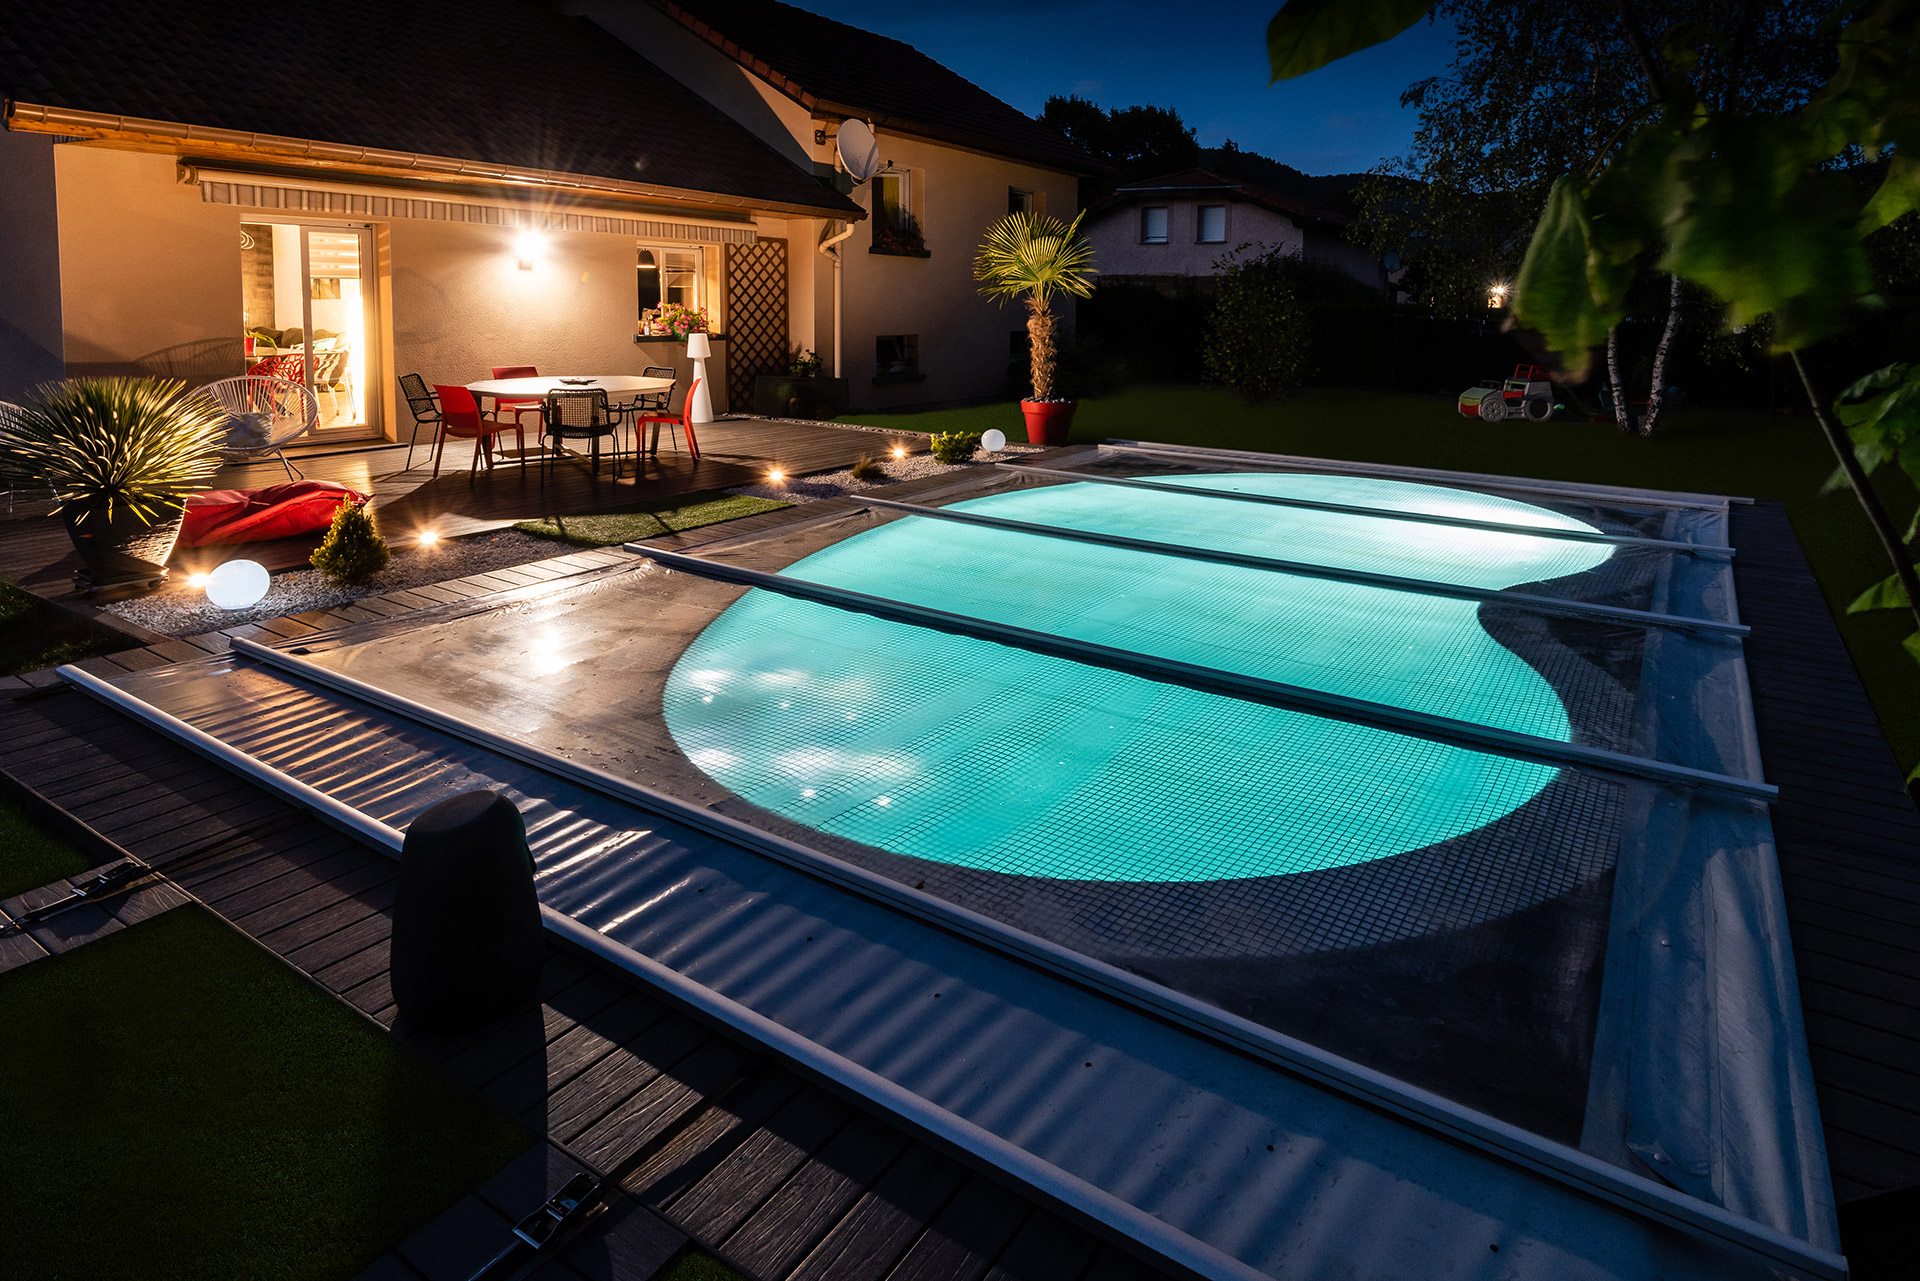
(756, 316)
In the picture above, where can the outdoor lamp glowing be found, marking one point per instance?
(994, 441)
(776, 475)
(427, 538)
(527, 248)
(899, 451)
(238, 584)
(699, 347)
(1497, 296)
(196, 580)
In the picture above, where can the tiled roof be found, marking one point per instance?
(504, 82)
(828, 64)
(1202, 181)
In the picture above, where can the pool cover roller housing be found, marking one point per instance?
(468, 942)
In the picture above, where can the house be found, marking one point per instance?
(495, 183)
(1178, 226)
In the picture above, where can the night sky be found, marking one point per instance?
(1207, 61)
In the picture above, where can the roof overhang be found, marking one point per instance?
(136, 134)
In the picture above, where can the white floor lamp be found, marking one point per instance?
(698, 349)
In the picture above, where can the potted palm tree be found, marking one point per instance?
(1032, 256)
(119, 455)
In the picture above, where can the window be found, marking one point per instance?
(669, 275)
(896, 356)
(1153, 225)
(1212, 228)
(1019, 201)
(895, 228)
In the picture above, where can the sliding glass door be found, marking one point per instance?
(308, 302)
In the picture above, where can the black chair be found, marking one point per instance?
(644, 403)
(426, 410)
(579, 415)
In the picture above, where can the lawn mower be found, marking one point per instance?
(1528, 393)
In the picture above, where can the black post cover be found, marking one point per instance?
(467, 940)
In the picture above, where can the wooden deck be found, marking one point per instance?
(36, 553)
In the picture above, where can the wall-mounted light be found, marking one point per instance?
(527, 248)
(1497, 295)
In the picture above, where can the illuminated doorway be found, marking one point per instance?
(307, 311)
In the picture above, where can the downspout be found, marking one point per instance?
(830, 246)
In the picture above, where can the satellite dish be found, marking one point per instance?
(859, 153)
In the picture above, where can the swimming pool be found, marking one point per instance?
(961, 751)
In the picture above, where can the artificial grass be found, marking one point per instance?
(694, 1266)
(1705, 451)
(35, 633)
(178, 1103)
(610, 529)
(30, 855)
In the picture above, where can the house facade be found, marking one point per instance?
(178, 207)
(1177, 227)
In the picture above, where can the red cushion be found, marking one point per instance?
(255, 515)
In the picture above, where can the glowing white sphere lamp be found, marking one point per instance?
(993, 441)
(238, 584)
(699, 347)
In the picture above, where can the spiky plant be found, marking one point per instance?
(1032, 256)
(105, 445)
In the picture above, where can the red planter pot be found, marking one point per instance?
(1048, 421)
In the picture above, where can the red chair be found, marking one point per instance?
(289, 365)
(533, 405)
(684, 422)
(460, 416)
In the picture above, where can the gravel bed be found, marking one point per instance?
(184, 611)
(814, 489)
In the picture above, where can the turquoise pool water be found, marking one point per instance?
(971, 753)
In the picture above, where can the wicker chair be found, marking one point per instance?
(263, 416)
(426, 412)
(579, 415)
(7, 412)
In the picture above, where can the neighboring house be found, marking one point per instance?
(1178, 226)
(440, 188)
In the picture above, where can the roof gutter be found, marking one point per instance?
(136, 133)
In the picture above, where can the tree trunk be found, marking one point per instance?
(1622, 411)
(1040, 345)
(1890, 539)
(1657, 399)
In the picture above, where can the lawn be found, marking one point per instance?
(36, 634)
(31, 856)
(1705, 451)
(178, 1103)
(610, 529)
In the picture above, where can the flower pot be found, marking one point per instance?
(123, 550)
(1048, 421)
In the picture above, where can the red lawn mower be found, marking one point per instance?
(1528, 393)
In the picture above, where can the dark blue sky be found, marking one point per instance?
(1206, 60)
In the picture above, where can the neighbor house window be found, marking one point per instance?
(1019, 201)
(670, 275)
(1212, 225)
(896, 355)
(1153, 225)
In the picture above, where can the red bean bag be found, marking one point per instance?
(256, 515)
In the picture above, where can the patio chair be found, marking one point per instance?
(291, 366)
(530, 405)
(425, 409)
(580, 415)
(263, 416)
(682, 423)
(460, 417)
(652, 402)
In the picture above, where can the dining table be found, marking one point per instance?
(617, 386)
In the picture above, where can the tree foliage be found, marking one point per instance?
(353, 550)
(1136, 142)
(1034, 257)
(1258, 336)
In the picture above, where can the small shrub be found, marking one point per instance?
(1259, 336)
(955, 446)
(352, 551)
(868, 469)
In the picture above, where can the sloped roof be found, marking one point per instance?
(844, 70)
(503, 82)
(1202, 182)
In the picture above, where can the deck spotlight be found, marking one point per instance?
(238, 584)
(427, 538)
(993, 441)
(196, 580)
(776, 475)
(899, 451)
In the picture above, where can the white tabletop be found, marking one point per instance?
(533, 388)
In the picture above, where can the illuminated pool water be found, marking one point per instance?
(970, 753)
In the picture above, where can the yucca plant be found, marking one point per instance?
(112, 448)
(1032, 256)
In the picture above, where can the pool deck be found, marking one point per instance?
(1847, 832)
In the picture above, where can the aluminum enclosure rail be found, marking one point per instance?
(1500, 742)
(1424, 586)
(956, 1132)
(1637, 1195)
(1518, 484)
(1380, 513)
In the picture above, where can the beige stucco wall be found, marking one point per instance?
(1116, 238)
(31, 342)
(149, 276)
(963, 337)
